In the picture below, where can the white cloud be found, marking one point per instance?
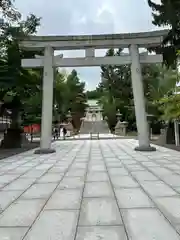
(89, 17)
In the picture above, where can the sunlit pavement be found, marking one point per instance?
(91, 190)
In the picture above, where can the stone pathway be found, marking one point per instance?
(91, 190)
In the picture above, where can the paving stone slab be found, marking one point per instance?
(160, 171)
(65, 199)
(18, 170)
(114, 164)
(133, 168)
(30, 164)
(99, 211)
(148, 224)
(170, 206)
(98, 189)
(124, 182)
(7, 197)
(71, 182)
(62, 165)
(162, 162)
(173, 166)
(55, 225)
(144, 176)
(173, 180)
(57, 169)
(96, 162)
(118, 171)
(76, 173)
(142, 159)
(43, 167)
(8, 178)
(128, 162)
(33, 174)
(132, 198)
(77, 165)
(125, 157)
(104, 233)
(50, 178)
(12, 233)
(150, 164)
(82, 159)
(97, 177)
(158, 189)
(39, 191)
(21, 213)
(19, 184)
(97, 168)
(9, 167)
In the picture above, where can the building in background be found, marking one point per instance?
(93, 111)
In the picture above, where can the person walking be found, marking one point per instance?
(56, 135)
(64, 132)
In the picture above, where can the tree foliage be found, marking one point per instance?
(70, 96)
(16, 84)
(170, 107)
(116, 90)
(21, 89)
(166, 13)
(94, 94)
(9, 11)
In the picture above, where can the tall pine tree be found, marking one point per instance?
(167, 13)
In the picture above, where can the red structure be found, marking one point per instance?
(34, 128)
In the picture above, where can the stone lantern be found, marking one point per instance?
(69, 116)
(69, 125)
(118, 115)
(120, 128)
(106, 118)
(149, 120)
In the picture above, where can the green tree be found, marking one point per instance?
(32, 105)
(60, 96)
(70, 95)
(165, 93)
(76, 98)
(17, 84)
(9, 11)
(115, 87)
(166, 13)
(94, 94)
(170, 107)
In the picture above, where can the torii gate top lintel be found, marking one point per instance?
(102, 41)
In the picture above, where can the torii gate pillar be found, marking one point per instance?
(139, 101)
(47, 103)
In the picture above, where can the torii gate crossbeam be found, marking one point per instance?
(90, 61)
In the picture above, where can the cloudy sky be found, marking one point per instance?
(68, 17)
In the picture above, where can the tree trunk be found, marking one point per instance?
(170, 138)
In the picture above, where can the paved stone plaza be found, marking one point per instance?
(91, 190)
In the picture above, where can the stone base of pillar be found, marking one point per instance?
(145, 149)
(44, 151)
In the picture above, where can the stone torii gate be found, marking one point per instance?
(132, 41)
